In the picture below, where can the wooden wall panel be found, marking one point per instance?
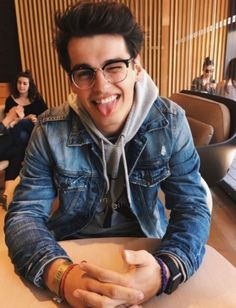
(4, 92)
(179, 35)
(199, 31)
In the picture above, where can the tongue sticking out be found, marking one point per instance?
(106, 109)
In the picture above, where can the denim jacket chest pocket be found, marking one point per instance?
(72, 190)
(150, 173)
(145, 183)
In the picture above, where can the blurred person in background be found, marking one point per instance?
(11, 152)
(227, 87)
(205, 82)
(25, 94)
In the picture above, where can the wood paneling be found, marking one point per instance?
(179, 35)
(4, 92)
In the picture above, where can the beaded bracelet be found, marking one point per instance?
(164, 278)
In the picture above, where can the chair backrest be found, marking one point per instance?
(207, 111)
(215, 157)
(202, 133)
(229, 103)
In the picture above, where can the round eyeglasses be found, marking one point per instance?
(114, 71)
(209, 71)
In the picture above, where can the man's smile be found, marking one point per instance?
(106, 105)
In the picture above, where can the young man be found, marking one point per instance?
(106, 154)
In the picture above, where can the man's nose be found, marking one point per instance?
(100, 81)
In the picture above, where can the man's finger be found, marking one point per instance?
(104, 275)
(91, 299)
(137, 258)
(114, 291)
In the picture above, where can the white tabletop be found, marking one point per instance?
(213, 286)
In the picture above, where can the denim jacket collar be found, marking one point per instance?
(78, 135)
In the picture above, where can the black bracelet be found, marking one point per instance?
(164, 279)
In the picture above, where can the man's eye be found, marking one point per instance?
(82, 74)
(116, 67)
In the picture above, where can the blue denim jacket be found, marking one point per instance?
(62, 157)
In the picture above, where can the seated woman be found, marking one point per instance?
(25, 94)
(227, 87)
(9, 149)
(205, 82)
(26, 97)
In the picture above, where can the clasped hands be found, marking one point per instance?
(14, 115)
(32, 118)
(89, 285)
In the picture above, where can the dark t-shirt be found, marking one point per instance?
(36, 107)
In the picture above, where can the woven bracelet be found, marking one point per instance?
(62, 283)
(164, 278)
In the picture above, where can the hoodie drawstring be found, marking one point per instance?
(105, 166)
(125, 168)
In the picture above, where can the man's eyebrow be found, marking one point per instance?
(81, 65)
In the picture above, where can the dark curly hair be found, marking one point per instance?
(33, 92)
(88, 19)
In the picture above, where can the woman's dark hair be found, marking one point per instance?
(33, 92)
(231, 70)
(230, 73)
(207, 61)
(88, 19)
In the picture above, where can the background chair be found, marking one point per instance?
(229, 103)
(219, 112)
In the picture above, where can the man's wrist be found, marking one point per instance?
(165, 274)
(176, 276)
(57, 278)
(54, 272)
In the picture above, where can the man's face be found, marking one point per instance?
(107, 103)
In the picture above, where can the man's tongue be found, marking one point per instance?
(106, 109)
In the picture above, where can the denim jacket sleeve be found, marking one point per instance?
(31, 245)
(188, 228)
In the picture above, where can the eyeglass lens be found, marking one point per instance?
(113, 72)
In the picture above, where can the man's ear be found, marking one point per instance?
(72, 99)
(138, 67)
